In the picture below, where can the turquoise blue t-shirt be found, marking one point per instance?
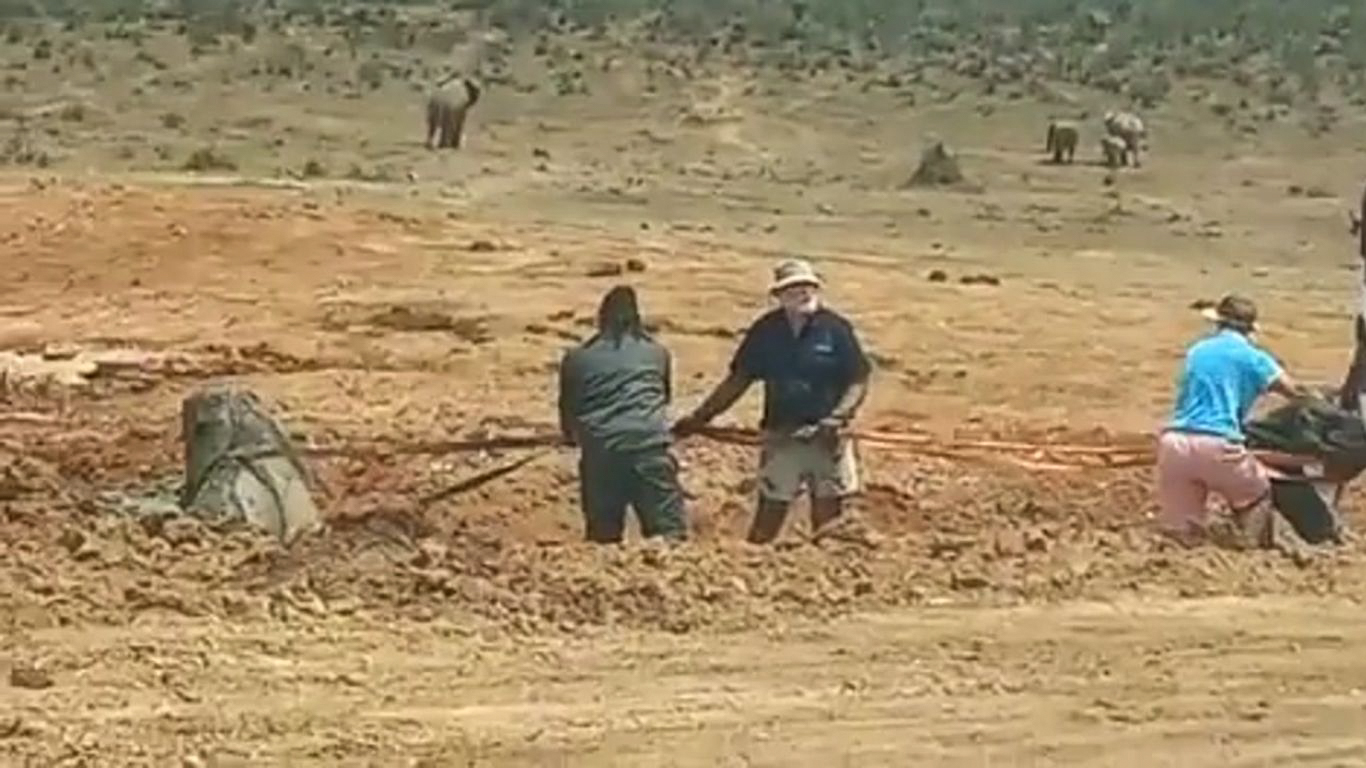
(1224, 375)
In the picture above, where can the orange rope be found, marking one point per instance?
(1041, 456)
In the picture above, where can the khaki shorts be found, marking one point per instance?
(829, 471)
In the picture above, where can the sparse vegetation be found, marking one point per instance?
(209, 159)
(21, 149)
(313, 169)
(74, 112)
(1251, 65)
(371, 73)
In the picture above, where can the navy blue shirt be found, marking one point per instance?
(805, 374)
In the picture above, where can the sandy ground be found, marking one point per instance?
(968, 614)
(1207, 682)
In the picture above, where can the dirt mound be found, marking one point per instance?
(508, 555)
(68, 563)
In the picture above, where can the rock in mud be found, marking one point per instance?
(29, 677)
(980, 279)
(605, 269)
(409, 319)
(1009, 544)
(969, 579)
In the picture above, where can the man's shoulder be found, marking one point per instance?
(833, 319)
(768, 317)
(766, 322)
(578, 352)
(651, 346)
(1227, 346)
(599, 346)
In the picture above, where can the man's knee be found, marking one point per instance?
(837, 473)
(782, 466)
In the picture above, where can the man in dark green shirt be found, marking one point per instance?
(614, 396)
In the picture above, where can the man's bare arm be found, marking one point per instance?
(568, 402)
(731, 389)
(852, 400)
(1286, 386)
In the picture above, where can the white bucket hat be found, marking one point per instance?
(793, 272)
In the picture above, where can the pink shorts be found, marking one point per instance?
(1191, 467)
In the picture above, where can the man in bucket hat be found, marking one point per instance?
(815, 378)
(1202, 448)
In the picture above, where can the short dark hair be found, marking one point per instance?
(619, 314)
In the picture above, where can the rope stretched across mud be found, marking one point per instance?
(1033, 456)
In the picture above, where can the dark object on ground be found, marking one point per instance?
(980, 279)
(29, 677)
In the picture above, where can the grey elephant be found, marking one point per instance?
(1130, 129)
(1114, 151)
(1062, 140)
(446, 111)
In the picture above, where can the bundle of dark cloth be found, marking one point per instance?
(1307, 497)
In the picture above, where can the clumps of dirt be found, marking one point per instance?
(25, 477)
(416, 320)
(981, 278)
(933, 532)
(978, 278)
(67, 567)
(419, 317)
(615, 268)
(29, 677)
(1313, 192)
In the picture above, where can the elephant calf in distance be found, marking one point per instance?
(1114, 151)
(1128, 128)
(446, 111)
(1062, 140)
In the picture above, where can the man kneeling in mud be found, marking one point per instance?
(614, 394)
(1203, 448)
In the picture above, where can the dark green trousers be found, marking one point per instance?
(645, 480)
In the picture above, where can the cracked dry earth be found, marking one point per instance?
(968, 614)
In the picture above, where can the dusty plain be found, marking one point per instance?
(968, 614)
